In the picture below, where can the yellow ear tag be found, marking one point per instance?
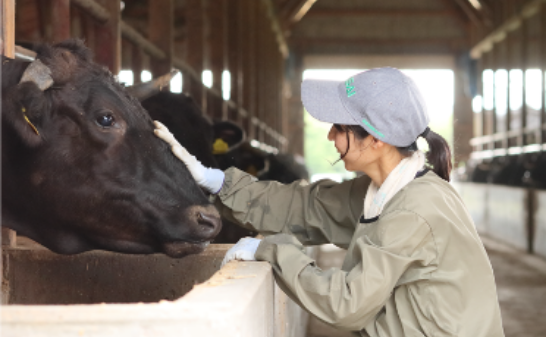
(252, 170)
(219, 146)
(30, 123)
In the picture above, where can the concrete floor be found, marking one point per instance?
(521, 287)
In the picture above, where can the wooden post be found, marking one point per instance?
(60, 20)
(271, 107)
(195, 47)
(216, 57)
(160, 33)
(89, 32)
(261, 65)
(108, 51)
(462, 120)
(137, 63)
(542, 44)
(234, 54)
(8, 28)
(249, 63)
(294, 123)
(7, 47)
(522, 139)
(76, 30)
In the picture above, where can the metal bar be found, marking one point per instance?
(98, 12)
(24, 54)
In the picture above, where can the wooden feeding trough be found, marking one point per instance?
(108, 294)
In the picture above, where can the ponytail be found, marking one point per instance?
(439, 154)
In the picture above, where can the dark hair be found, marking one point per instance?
(438, 156)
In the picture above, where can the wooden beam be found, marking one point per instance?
(297, 11)
(542, 43)
(195, 48)
(108, 50)
(91, 7)
(459, 15)
(160, 33)
(137, 63)
(276, 27)
(7, 48)
(7, 43)
(249, 65)
(299, 41)
(472, 14)
(380, 12)
(60, 20)
(531, 8)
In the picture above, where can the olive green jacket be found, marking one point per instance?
(419, 269)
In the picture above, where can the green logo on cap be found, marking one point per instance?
(373, 129)
(349, 87)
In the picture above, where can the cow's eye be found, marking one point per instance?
(106, 120)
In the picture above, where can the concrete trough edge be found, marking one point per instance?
(237, 301)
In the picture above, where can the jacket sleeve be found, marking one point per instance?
(351, 299)
(322, 212)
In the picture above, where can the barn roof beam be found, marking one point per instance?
(276, 27)
(460, 16)
(92, 8)
(294, 10)
(373, 41)
(376, 12)
(528, 10)
(476, 17)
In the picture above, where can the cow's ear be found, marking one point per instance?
(24, 108)
(227, 136)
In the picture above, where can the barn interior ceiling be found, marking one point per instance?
(364, 26)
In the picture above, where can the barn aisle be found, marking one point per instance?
(521, 286)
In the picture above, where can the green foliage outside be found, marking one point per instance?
(320, 153)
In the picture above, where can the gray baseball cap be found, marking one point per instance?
(384, 101)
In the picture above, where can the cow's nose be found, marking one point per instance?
(210, 221)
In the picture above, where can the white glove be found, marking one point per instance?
(243, 250)
(208, 178)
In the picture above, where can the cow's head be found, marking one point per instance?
(82, 168)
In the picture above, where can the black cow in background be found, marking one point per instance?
(284, 168)
(526, 170)
(82, 169)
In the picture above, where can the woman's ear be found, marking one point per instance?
(376, 143)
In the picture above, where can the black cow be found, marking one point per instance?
(82, 169)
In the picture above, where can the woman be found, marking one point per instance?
(415, 265)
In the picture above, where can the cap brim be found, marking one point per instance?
(321, 99)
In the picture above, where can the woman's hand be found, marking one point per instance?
(208, 178)
(243, 250)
